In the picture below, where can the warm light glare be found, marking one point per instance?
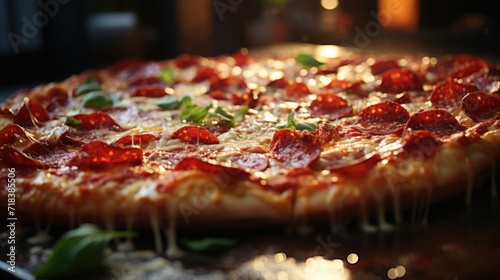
(397, 14)
(329, 4)
(329, 51)
(396, 272)
(352, 258)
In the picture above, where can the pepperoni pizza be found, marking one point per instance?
(288, 138)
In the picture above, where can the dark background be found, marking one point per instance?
(48, 40)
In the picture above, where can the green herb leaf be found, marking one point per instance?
(208, 244)
(307, 60)
(241, 112)
(72, 121)
(173, 103)
(186, 102)
(194, 113)
(167, 74)
(222, 114)
(77, 251)
(311, 127)
(291, 124)
(230, 119)
(90, 84)
(169, 103)
(96, 99)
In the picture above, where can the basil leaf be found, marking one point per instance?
(96, 99)
(307, 60)
(230, 120)
(186, 102)
(169, 103)
(241, 112)
(291, 124)
(167, 74)
(208, 244)
(306, 126)
(194, 113)
(77, 251)
(222, 114)
(72, 121)
(173, 103)
(90, 84)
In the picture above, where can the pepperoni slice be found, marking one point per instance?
(279, 83)
(97, 155)
(205, 73)
(381, 66)
(193, 134)
(358, 166)
(138, 140)
(382, 118)
(214, 169)
(150, 91)
(185, 60)
(327, 135)
(249, 98)
(297, 90)
(449, 93)
(220, 95)
(30, 114)
(8, 134)
(255, 162)
(335, 69)
(241, 57)
(459, 66)
(6, 113)
(399, 80)
(151, 80)
(420, 143)
(55, 95)
(402, 98)
(97, 120)
(343, 85)
(464, 71)
(438, 121)
(229, 83)
(55, 98)
(331, 106)
(42, 148)
(480, 106)
(67, 139)
(297, 149)
(13, 157)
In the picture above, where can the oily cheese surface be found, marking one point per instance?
(283, 136)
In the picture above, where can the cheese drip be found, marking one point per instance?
(155, 226)
(173, 250)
